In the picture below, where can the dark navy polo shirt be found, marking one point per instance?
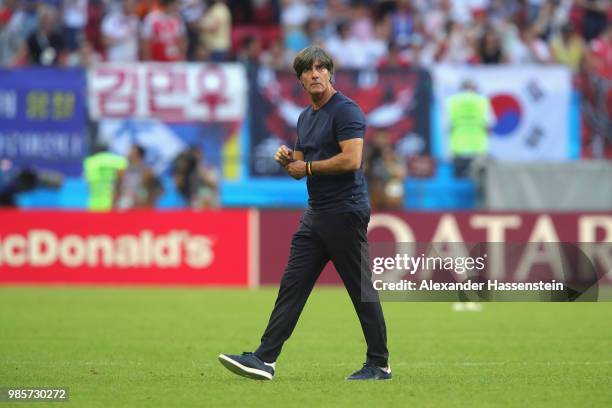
(319, 133)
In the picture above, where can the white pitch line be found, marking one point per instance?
(488, 363)
(395, 364)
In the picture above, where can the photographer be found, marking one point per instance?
(385, 173)
(24, 180)
(195, 180)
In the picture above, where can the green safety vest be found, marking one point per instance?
(101, 173)
(468, 114)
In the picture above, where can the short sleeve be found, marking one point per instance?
(349, 122)
(298, 145)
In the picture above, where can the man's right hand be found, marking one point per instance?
(283, 155)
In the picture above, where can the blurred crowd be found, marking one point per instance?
(358, 33)
(123, 183)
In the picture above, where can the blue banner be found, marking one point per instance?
(42, 118)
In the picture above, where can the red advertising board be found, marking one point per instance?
(277, 227)
(235, 247)
(138, 247)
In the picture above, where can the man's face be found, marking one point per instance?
(317, 79)
(134, 155)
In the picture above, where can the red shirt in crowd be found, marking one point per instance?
(165, 34)
(601, 50)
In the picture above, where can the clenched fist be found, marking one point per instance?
(283, 156)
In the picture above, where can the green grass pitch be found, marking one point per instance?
(158, 347)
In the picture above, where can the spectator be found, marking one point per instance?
(75, 19)
(200, 53)
(385, 173)
(344, 49)
(195, 180)
(25, 18)
(595, 17)
(7, 8)
(462, 10)
(568, 48)
(313, 29)
(144, 7)
(45, 46)
(548, 21)
(192, 12)
(434, 19)
(241, 11)
(501, 11)
(490, 48)
(101, 170)
(136, 186)
(294, 14)
(266, 13)
(163, 34)
(534, 8)
(476, 30)
(86, 56)
(120, 30)
(249, 53)
(598, 93)
(377, 47)
(362, 26)
(455, 48)
(275, 56)
(336, 12)
(421, 52)
(402, 23)
(600, 54)
(394, 58)
(14, 181)
(216, 27)
(92, 33)
(296, 39)
(10, 41)
(528, 48)
(469, 114)
(295, 17)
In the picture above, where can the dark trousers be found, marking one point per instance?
(320, 238)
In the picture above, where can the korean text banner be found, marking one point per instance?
(182, 92)
(530, 107)
(42, 118)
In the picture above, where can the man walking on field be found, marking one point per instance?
(328, 152)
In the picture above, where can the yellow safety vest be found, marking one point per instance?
(468, 112)
(100, 172)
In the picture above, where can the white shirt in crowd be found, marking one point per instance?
(75, 13)
(352, 53)
(122, 30)
(294, 13)
(345, 52)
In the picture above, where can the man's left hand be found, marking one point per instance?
(296, 169)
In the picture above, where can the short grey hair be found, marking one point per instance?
(308, 56)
